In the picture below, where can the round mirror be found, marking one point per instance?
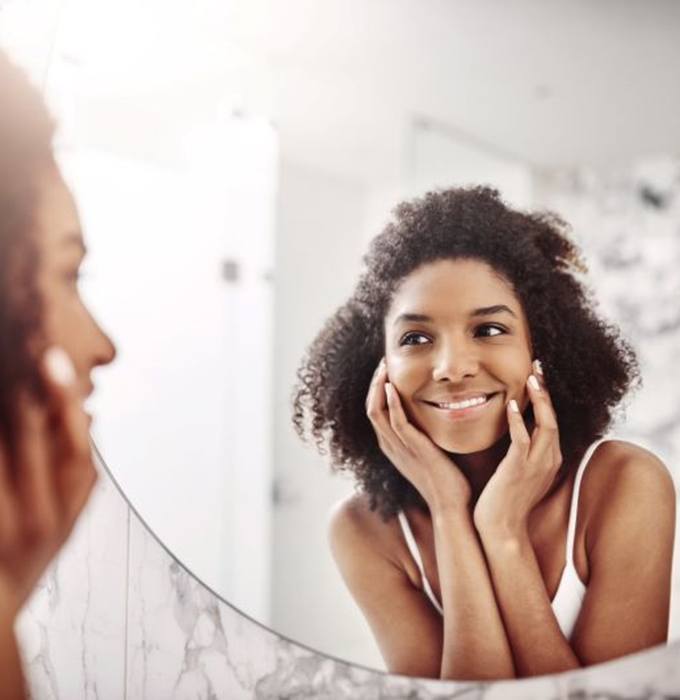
(232, 162)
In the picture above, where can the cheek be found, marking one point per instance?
(64, 324)
(511, 362)
(403, 372)
(55, 316)
(521, 369)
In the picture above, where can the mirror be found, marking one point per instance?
(232, 161)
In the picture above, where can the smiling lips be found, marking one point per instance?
(459, 409)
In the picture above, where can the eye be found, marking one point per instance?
(414, 339)
(489, 330)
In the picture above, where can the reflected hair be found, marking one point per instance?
(588, 366)
(26, 132)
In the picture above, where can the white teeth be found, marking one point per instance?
(463, 404)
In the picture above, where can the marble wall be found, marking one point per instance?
(627, 222)
(117, 617)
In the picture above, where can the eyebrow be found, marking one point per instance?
(482, 311)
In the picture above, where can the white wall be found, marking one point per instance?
(319, 242)
(442, 158)
(183, 415)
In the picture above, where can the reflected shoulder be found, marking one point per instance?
(355, 529)
(351, 517)
(627, 483)
(620, 464)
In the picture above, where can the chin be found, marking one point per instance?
(466, 445)
(468, 439)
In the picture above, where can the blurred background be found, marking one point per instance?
(232, 160)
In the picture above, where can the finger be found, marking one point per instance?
(545, 435)
(76, 487)
(66, 402)
(373, 388)
(378, 413)
(540, 380)
(74, 467)
(8, 504)
(520, 440)
(407, 433)
(376, 404)
(35, 480)
(538, 371)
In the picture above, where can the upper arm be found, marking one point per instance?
(405, 625)
(630, 549)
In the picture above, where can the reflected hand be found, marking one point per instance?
(45, 483)
(413, 454)
(527, 471)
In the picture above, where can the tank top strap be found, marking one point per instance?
(573, 510)
(415, 553)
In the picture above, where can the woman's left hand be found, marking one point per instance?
(527, 471)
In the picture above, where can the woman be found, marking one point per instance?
(480, 546)
(49, 345)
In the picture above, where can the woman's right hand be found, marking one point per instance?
(431, 471)
(45, 483)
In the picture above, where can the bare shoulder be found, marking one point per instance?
(618, 464)
(627, 483)
(363, 546)
(366, 550)
(352, 525)
(352, 509)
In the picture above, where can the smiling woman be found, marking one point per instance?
(495, 524)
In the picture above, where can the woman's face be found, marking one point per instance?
(456, 333)
(68, 323)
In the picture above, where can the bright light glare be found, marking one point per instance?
(148, 44)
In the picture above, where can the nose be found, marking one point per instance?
(103, 348)
(455, 361)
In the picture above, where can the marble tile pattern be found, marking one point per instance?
(627, 223)
(117, 617)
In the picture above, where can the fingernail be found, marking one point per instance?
(538, 367)
(388, 390)
(513, 406)
(534, 383)
(59, 366)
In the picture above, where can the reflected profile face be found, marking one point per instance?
(458, 348)
(67, 321)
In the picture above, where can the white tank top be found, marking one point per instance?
(567, 601)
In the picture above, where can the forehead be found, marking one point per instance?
(449, 287)
(56, 216)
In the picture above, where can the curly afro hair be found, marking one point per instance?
(588, 366)
(26, 131)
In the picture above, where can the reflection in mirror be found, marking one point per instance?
(466, 384)
(229, 191)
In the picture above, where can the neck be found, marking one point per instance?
(478, 467)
